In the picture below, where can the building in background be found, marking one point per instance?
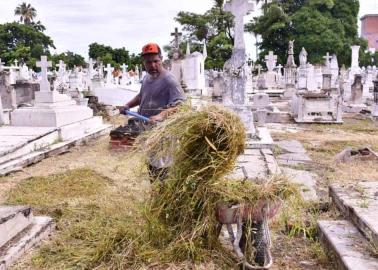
(369, 30)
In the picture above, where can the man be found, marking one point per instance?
(160, 92)
(158, 98)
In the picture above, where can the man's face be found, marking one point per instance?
(153, 64)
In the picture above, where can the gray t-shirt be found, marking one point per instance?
(159, 94)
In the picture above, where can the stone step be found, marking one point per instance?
(359, 204)
(54, 149)
(346, 245)
(13, 220)
(40, 228)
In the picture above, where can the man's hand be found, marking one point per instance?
(123, 109)
(157, 118)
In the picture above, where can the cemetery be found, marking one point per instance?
(268, 163)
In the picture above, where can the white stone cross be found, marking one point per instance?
(258, 69)
(239, 8)
(327, 58)
(44, 65)
(90, 68)
(124, 68)
(271, 61)
(177, 36)
(109, 76)
(279, 69)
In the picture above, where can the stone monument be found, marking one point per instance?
(235, 70)
(51, 108)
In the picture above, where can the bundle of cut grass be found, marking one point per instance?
(181, 214)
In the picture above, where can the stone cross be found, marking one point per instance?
(177, 36)
(271, 61)
(90, 68)
(327, 58)
(239, 8)
(124, 69)
(109, 76)
(279, 69)
(355, 51)
(258, 69)
(44, 65)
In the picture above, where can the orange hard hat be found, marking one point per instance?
(151, 48)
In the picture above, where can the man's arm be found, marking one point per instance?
(163, 114)
(131, 104)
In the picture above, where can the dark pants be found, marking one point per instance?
(157, 173)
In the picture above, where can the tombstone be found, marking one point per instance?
(327, 82)
(194, 72)
(375, 92)
(90, 69)
(24, 73)
(290, 70)
(218, 84)
(334, 67)
(2, 117)
(1, 65)
(311, 78)
(344, 84)
(317, 108)
(355, 66)
(125, 75)
(234, 66)
(327, 62)
(177, 36)
(280, 77)
(357, 90)
(270, 76)
(302, 70)
(109, 75)
(51, 109)
(177, 67)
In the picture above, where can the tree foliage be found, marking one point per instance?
(214, 28)
(320, 26)
(26, 12)
(70, 59)
(116, 57)
(23, 42)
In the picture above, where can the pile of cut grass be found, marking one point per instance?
(181, 213)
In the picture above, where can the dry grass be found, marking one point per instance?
(323, 142)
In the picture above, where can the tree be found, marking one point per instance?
(214, 28)
(23, 41)
(116, 57)
(26, 12)
(70, 59)
(320, 26)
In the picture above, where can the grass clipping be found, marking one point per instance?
(181, 213)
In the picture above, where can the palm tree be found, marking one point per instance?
(38, 26)
(26, 12)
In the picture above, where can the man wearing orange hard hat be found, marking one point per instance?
(158, 97)
(160, 92)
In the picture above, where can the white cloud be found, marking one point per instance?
(74, 24)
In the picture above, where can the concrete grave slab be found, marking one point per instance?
(306, 179)
(13, 220)
(345, 243)
(359, 204)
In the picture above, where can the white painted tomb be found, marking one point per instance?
(51, 108)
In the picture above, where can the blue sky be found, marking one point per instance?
(74, 24)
